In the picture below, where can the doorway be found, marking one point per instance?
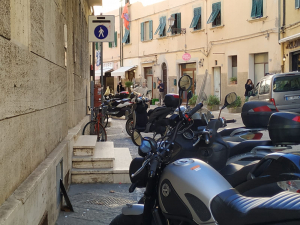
(217, 82)
(189, 69)
(149, 77)
(165, 77)
(261, 66)
(296, 61)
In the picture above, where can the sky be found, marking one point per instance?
(110, 5)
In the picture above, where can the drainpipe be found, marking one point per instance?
(279, 18)
(282, 30)
(121, 35)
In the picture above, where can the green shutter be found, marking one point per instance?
(96, 46)
(125, 36)
(179, 20)
(297, 4)
(159, 26)
(164, 20)
(253, 11)
(197, 14)
(150, 29)
(109, 44)
(142, 31)
(259, 8)
(116, 38)
(216, 8)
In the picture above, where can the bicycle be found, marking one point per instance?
(95, 127)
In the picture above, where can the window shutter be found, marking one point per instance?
(179, 20)
(259, 8)
(253, 11)
(116, 38)
(142, 31)
(216, 8)
(164, 20)
(109, 44)
(197, 14)
(150, 29)
(297, 4)
(159, 26)
(193, 20)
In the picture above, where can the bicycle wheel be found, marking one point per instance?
(94, 128)
(105, 121)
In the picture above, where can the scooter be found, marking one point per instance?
(153, 120)
(189, 191)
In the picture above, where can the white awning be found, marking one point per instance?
(105, 70)
(121, 71)
(292, 37)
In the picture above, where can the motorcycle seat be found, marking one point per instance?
(237, 148)
(156, 109)
(231, 208)
(140, 128)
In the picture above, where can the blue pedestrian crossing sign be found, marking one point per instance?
(101, 28)
(101, 32)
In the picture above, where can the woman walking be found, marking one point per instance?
(248, 87)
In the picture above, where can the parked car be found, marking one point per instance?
(283, 90)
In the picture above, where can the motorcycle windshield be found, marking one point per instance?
(201, 94)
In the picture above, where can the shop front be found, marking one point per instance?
(189, 69)
(291, 53)
(123, 74)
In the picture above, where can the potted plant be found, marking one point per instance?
(213, 103)
(128, 84)
(192, 101)
(233, 80)
(236, 107)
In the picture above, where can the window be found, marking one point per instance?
(175, 29)
(126, 37)
(257, 9)
(215, 16)
(286, 83)
(114, 44)
(262, 87)
(267, 87)
(232, 69)
(196, 22)
(297, 4)
(161, 29)
(127, 1)
(146, 31)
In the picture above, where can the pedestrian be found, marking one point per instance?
(248, 87)
(161, 89)
(120, 87)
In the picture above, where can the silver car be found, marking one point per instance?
(283, 90)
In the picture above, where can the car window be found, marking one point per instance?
(286, 83)
(267, 86)
(262, 87)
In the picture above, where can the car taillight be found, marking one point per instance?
(273, 101)
(291, 185)
(264, 108)
(297, 119)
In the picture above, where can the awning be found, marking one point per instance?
(121, 71)
(292, 37)
(105, 70)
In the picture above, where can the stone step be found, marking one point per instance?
(85, 145)
(104, 156)
(118, 174)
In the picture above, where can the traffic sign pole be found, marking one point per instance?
(102, 91)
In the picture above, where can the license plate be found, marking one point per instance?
(296, 97)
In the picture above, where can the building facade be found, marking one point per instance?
(44, 93)
(233, 40)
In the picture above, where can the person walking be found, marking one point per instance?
(161, 89)
(248, 87)
(120, 87)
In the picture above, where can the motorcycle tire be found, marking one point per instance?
(129, 126)
(127, 220)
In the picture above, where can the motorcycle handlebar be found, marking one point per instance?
(230, 121)
(195, 109)
(154, 165)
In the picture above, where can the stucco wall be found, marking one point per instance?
(40, 97)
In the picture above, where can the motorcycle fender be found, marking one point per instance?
(133, 210)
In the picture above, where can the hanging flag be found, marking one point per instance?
(125, 16)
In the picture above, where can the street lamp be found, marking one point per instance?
(171, 21)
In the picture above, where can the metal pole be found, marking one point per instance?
(92, 81)
(102, 85)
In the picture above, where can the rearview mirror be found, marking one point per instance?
(185, 83)
(136, 138)
(230, 98)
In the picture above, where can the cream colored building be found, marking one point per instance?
(240, 40)
(44, 93)
(290, 35)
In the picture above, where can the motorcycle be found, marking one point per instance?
(189, 191)
(152, 121)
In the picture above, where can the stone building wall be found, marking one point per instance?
(42, 93)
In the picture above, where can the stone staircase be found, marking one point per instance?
(99, 162)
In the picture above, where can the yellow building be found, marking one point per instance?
(290, 35)
(234, 40)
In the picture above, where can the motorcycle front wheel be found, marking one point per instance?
(126, 220)
(129, 126)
